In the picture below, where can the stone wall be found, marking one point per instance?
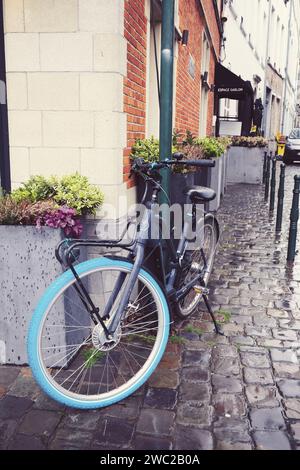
(66, 60)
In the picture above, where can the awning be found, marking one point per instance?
(229, 85)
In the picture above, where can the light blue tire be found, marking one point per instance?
(54, 290)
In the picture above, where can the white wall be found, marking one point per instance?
(249, 49)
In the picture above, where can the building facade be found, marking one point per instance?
(81, 81)
(261, 44)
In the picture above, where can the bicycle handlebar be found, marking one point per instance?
(198, 163)
(141, 165)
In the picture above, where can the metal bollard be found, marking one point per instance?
(267, 182)
(273, 185)
(265, 167)
(280, 198)
(294, 221)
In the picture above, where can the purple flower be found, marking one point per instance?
(64, 218)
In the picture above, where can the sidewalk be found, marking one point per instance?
(241, 391)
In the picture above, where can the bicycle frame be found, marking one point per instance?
(136, 255)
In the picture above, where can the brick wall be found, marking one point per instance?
(135, 32)
(214, 32)
(188, 88)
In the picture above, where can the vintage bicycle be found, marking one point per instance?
(102, 327)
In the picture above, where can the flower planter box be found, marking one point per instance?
(212, 178)
(28, 266)
(179, 183)
(245, 165)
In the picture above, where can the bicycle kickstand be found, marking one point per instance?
(208, 306)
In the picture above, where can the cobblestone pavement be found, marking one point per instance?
(241, 391)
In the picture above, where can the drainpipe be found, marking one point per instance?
(265, 116)
(166, 91)
(5, 181)
(287, 66)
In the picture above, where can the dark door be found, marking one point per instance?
(4, 146)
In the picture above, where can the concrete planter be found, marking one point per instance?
(224, 173)
(179, 183)
(216, 183)
(213, 178)
(245, 165)
(27, 266)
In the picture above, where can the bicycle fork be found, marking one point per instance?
(140, 249)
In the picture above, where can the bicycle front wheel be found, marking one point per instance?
(70, 356)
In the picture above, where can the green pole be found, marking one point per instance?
(280, 198)
(273, 185)
(294, 221)
(166, 90)
(267, 180)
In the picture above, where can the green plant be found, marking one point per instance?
(225, 141)
(226, 316)
(250, 142)
(37, 188)
(91, 356)
(194, 329)
(175, 339)
(190, 139)
(176, 138)
(13, 212)
(74, 191)
(211, 147)
(148, 149)
(148, 339)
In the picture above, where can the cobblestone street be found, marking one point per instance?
(240, 391)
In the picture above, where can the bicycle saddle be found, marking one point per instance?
(200, 195)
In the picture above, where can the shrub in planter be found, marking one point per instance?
(40, 214)
(33, 220)
(193, 148)
(148, 149)
(250, 142)
(74, 191)
(212, 149)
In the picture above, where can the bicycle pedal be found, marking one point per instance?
(201, 290)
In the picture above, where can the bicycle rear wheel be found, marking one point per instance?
(195, 263)
(70, 356)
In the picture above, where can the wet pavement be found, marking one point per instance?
(240, 391)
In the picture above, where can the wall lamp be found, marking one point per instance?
(185, 37)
